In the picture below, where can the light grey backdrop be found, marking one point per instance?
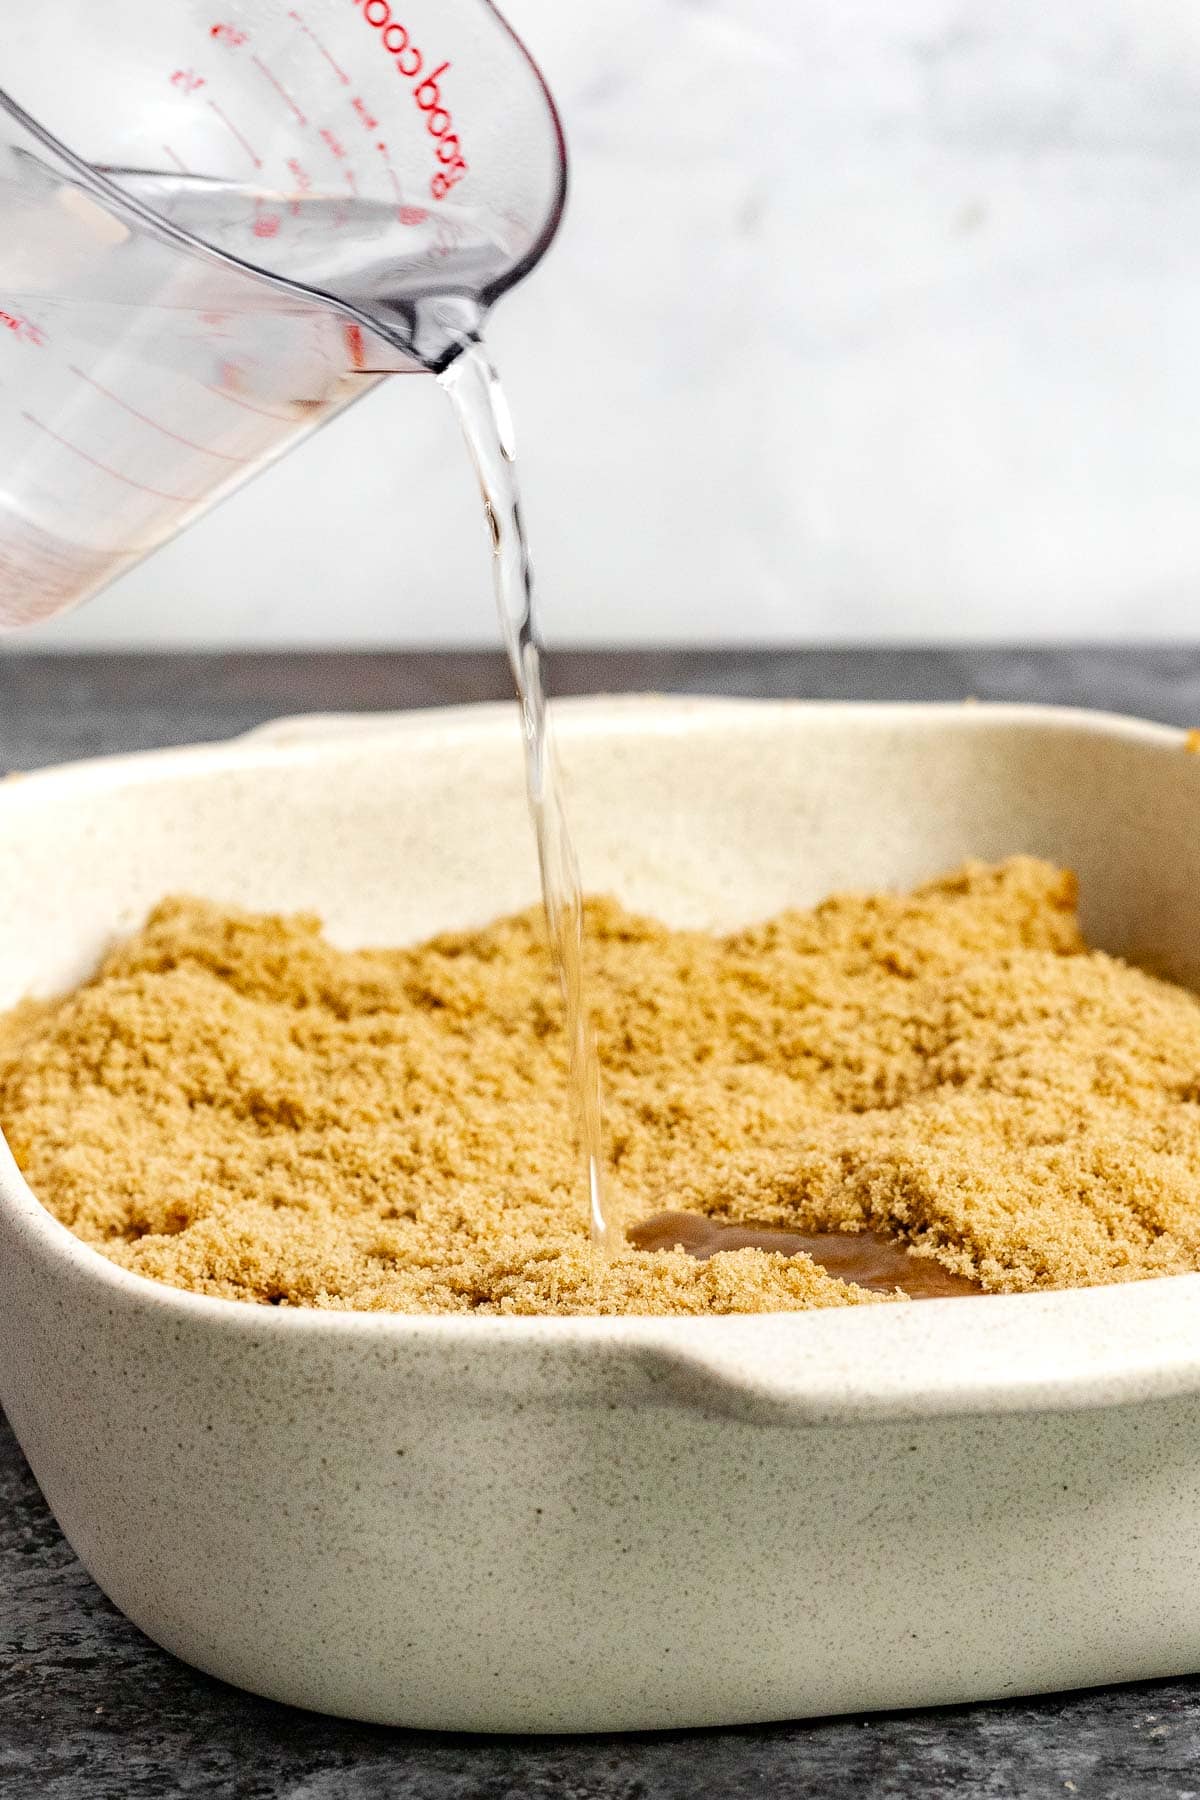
(872, 319)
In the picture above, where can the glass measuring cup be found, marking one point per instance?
(263, 208)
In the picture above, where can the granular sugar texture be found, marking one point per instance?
(234, 1106)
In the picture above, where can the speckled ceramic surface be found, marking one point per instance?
(597, 1524)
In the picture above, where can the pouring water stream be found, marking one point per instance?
(479, 402)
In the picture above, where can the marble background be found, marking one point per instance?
(870, 320)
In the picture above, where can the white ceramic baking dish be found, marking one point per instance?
(607, 1524)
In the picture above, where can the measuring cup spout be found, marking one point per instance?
(215, 234)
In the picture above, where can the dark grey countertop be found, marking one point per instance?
(90, 1710)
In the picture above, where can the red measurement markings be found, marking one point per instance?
(385, 153)
(117, 474)
(187, 80)
(337, 150)
(354, 347)
(246, 145)
(315, 40)
(144, 419)
(303, 180)
(22, 328)
(176, 159)
(371, 124)
(412, 215)
(275, 82)
(228, 34)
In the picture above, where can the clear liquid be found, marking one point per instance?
(478, 399)
(124, 427)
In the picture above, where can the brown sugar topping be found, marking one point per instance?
(235, 1106)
